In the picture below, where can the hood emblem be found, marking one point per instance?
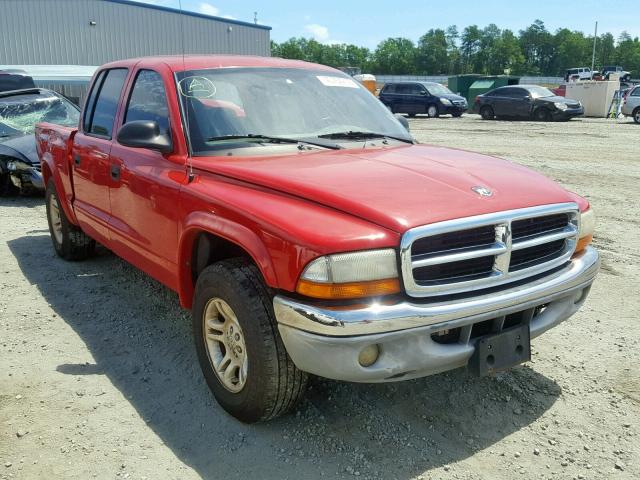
(482, 191)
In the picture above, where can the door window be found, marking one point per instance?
(415, 89)
(148, 100)
(636, 92)
(403, 88)
(106, 104)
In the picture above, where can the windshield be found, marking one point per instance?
(277, 102)
(437, 89)
(20, 113)
(540, 92)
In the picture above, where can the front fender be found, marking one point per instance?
(204, 222)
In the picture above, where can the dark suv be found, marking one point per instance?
(412, 98)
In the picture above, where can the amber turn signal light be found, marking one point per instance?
(583, 243)
(342, 291)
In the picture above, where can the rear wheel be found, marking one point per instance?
(542, 115)
(432, 111)
(69, 241)
(636, 115)
(487, 113)
(239, 348)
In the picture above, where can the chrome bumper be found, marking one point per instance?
(327, 342)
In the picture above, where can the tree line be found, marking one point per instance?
(489, 50)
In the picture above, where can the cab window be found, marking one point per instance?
(103, 113)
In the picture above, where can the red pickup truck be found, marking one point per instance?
(307, 230)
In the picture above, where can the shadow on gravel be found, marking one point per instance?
(141, 340)
(22, 201)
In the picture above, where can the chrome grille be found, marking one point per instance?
(487, 250)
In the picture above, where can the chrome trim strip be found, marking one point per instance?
(495, 249)
(379, 318)
(502, 224)
(567, 232)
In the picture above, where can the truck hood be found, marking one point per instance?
(396, 187)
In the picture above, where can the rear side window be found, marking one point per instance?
(148, 100)
(403, 88)
(389, 88)
(103, 113)
(91, 100)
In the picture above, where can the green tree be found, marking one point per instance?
(432, 53)
(395, 56)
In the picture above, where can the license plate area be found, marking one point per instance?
(500, 351)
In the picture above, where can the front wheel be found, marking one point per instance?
(69, 241)
(542, 115)
(239, 348)
(432, 111)
(7, 188)
(636, 115)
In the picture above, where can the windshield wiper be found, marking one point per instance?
(266, 138)
(351, 134)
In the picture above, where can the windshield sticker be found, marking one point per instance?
(337, 81)
(197, 87)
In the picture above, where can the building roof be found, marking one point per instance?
(189, 13)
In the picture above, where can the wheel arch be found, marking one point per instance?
(207, 239)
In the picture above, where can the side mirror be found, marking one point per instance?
(423, 93)
(144, 134)
(403, 120)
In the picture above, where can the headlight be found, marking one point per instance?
(587, 227)
(351, 275)
(15, 165)
(445, 101)
(560, 105)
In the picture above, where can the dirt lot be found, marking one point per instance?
(99, 379)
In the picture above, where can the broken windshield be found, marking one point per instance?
(20, 113)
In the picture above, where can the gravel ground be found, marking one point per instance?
(99, 379)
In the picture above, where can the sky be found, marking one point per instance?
(366, 23)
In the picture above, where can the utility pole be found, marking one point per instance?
(593, 56)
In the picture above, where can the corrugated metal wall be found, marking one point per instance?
(58, 32)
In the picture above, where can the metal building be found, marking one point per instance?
(93, 32)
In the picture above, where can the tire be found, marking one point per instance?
(231, 298)
(432, 111)
(542, 115)
(487, 113)
(69, 241)
(636, 115)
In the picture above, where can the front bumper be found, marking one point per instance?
(26, 177)
(569, 113)
(453, 109)
(327, 342)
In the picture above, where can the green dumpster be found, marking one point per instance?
(459, 84)
(487, 83)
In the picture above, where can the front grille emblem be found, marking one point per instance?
(482, 191)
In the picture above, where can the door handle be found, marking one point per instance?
(76, 159)
(115, 172)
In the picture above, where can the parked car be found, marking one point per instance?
(412, 98)
(526, 101)
(581, 73)
(20, 110)
(307, 231)
(631, 105)
(625, 76)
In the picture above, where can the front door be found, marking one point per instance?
(90, 153)
(144, 193)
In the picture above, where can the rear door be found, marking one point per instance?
(500, 101)
(90, 153)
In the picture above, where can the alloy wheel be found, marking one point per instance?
(225, 344)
